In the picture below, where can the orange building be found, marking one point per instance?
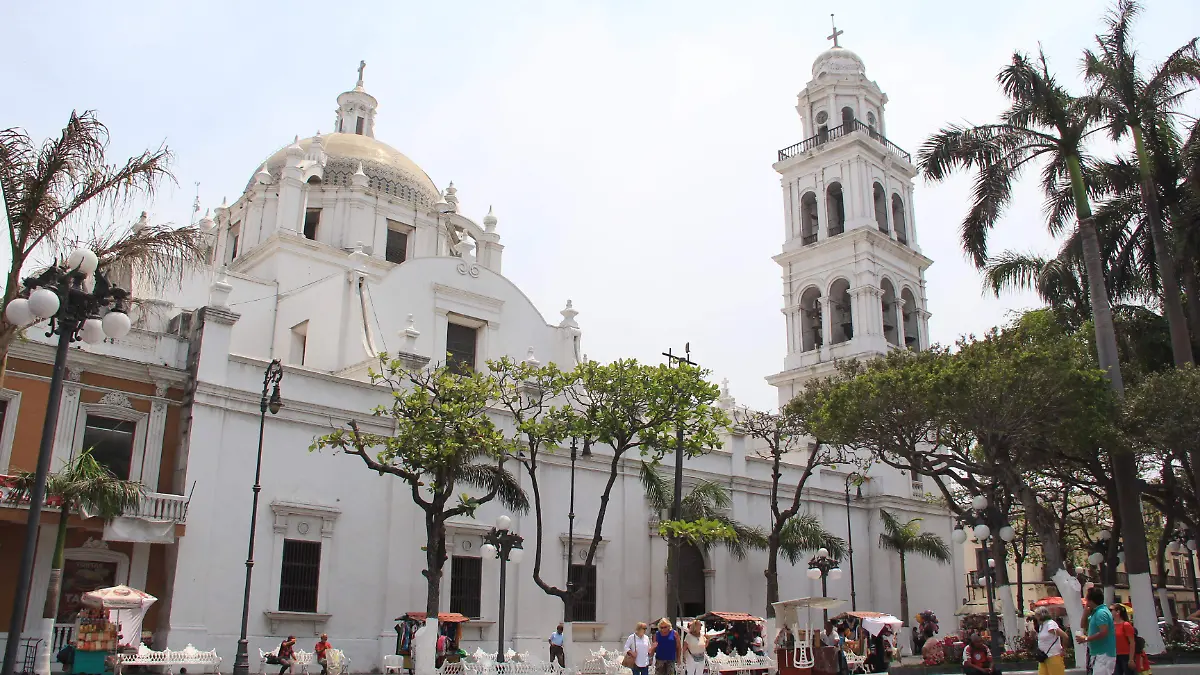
(124, 399)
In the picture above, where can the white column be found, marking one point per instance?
(68, 414)
(898, 311)
(155, 429)
(826, 323)
(139, 566)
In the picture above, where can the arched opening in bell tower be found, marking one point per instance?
(881, 216)
(898, 219)
(808, 218)
(911, 331)
(812, 329)
(842, 316)
(891, 332)
(847, 120)
(835, 209)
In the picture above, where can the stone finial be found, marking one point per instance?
(442, 205)
(464, 248)
(294, 150)
(568, 316)
(218, 292)
(726, 400)
(359, 179)
(489, 221)
(531, 360)
(410, 332)
(316, 151)
(222, 211)
(452, 195)
(263, 177)
(206, 223)
(358, 259)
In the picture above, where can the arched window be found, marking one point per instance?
(881, 208)
(890, 331)
(808, 218)
(912, 338)
(839, 308)
(835, 209)
(812, 329)
(847, 120)
(898, 219)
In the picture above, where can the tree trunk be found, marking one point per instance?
(772, 573)
(903, 591)
(53, 591)
(1181, 344)
(435, 558)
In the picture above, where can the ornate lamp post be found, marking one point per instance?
(985, 521)
(822, 567)
(1181, 541)
(1098, 559)
(857, 479)
(505, 545)
(569, 608)
(74, 310)
(241, 662)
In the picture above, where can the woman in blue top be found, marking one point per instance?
(666, 649)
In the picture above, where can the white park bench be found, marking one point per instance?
(172, 660)
(733, 663)
(856, 662)
(300, 659)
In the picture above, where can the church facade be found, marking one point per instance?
(341, 247)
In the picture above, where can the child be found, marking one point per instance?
(1140, 663)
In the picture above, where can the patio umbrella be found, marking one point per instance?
(127, 607)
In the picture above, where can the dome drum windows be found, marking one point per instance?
(809, 223)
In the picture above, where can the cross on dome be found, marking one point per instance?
(833, 36)
(362, 65)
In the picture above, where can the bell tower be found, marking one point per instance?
(853, 272)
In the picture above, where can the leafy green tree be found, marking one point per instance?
(51, 189)
(1140, 106)
(444, 439)
(790, 532)
(83, 487)
(1162, 414)
(907, 539)
(707, 502)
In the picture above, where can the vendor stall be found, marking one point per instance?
(449, 626)
(730, 632)
(110, 620)
(798, 649)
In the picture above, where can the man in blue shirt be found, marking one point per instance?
(556, 647)
(666, 649)
(1101, 635)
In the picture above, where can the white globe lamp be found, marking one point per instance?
(503, 522)
(516, 555)
(959, 535)
(1191, 544)
(1096, 558)
(982, 582)
(43, 303)
(822, 552)
(18, 312)
(979, 502)
(835, 573)
(991, 562)
(982, 531)
(116, 324)
(1104, 535)
(93, 331)
(83, 260)
(1007, 533)
(488, 551)
(813, 573)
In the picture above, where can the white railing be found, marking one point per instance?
(63, 633)
(152, 505)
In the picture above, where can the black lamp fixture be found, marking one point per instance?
(505, 545)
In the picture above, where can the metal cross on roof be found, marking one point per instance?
(362, 65)
(836, 32)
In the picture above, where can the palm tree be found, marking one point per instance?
(49, 190)
(707, 500)
(1139, 106)
(86, 487)
(802, 534)
(908, 539)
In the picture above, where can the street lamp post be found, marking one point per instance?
(857, 478)
(1099, 559)
(677, 500)
(505, 545)
(1182, 540)
(822, 567)
(987, 523)
(58, 294)
(241, 662)
(569, 607)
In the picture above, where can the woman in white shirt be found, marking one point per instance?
(695, 646)
(638, 644)
(1051, 639)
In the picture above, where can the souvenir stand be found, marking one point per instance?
(449, 624)
(730, 632)
(110, 620)
(794, 649)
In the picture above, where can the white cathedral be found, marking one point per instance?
(342, 247)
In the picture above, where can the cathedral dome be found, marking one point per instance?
(388, 170)
(838, 61)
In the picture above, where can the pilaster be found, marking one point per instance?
(68, 412)
(155, 430)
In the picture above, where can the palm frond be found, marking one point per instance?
(907, 539)
(493, 477)
(706, 499)
(657, 488)
(803, 534)
(160, 254)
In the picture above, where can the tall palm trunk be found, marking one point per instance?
(903, 590)
(53, 591)
(1181, 346)
(1124, 467)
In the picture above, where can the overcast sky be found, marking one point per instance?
(625, 146)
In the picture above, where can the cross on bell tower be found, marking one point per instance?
(836, 32)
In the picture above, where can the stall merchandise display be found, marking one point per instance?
(95, 633)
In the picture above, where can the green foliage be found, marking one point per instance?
(84, 484)
(705, 502)
(701, 532)
(803, 534)
(908, 539)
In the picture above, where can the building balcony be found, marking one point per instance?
(153, 506)
(844, 131)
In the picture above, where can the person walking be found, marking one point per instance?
(556, 647)
(1051, 639)
(666, 649)
(695, 649)
(1126, 636)
(286, 654)
(321, 647)
(637, 650)
(1101, 636)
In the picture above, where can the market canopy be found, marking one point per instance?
(875, 625)
(788, 611)
(442, 617)
(118, 597)
(1054, 601)
(731, 616)
(860, 615)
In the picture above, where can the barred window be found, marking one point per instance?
(584, 607)
(466, 585)
(461, 343)
(299, 576)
